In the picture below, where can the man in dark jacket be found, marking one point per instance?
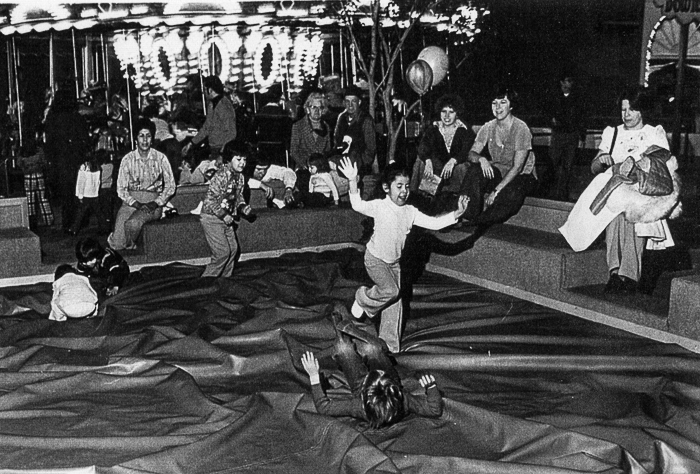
(220, 125)
(354, 132)
(67, 142)
(568, 134)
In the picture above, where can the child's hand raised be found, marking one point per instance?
(427, 381)
(348, 168)
(461, 206)
(310, 364)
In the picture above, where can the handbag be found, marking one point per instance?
(430, 185)
(651, 172)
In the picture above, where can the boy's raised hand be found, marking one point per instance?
(427, 381)
(462, 206)
(310, 364)
(348, 168)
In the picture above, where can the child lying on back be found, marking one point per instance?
(376, 392)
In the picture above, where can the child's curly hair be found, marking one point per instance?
(382, 399)
(453, 101)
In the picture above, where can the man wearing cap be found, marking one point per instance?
(354, 131)
(220, 125)
(144, 185)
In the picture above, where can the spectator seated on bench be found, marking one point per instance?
(276, 182)
(199, 174)
(322, 190)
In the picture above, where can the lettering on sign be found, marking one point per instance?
(685, 11)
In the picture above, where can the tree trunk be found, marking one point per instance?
(391, 132)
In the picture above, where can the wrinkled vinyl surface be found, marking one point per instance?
(190, 375)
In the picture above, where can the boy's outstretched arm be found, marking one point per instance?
(349, 169)
(310, 364)
(434, 401)
(427, 381)
(347, 406)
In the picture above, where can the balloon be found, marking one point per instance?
(419, 76)
(437, 60)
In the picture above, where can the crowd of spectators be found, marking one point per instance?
(79, 159)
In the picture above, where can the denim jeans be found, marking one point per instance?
(223, 244)
(383, 297)
(130, 221)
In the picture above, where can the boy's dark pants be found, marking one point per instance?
(356, 360)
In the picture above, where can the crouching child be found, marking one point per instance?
(106, 268)
(73, 296)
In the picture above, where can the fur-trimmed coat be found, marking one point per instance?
(582, 227)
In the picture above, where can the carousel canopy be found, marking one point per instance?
(40, 16)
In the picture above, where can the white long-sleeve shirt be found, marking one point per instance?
(89, 182)
(323, 183)
(392, 224)
(281, 173)
(73, 297)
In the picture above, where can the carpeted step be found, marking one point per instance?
(21, 251)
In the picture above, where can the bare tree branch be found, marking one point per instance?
(384, 45)
(407, 113)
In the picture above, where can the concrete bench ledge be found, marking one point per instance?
(542, 214)
(21, 251)
(531, 241)
(529, 258)
(182, 237)
(188, 197)
(684, 306)
(533, 260)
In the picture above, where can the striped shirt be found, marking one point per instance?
(150, 174)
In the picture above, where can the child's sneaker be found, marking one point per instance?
(357, 311)
(197, 210)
